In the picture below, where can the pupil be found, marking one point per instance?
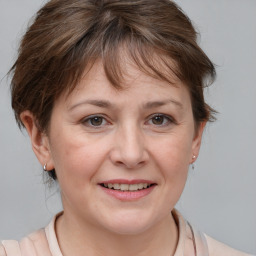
(158, 120)
(96, 121)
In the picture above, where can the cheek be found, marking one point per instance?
(174, 173)
(173, 158)
(175, 151)
(77, 159)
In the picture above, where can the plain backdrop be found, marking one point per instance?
(220, 196)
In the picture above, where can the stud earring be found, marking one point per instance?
(45, 167)
(193, 165)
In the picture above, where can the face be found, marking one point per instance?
(122, 156)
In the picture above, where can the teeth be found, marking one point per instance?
(141, 186)
(126, 187)
(110, 185)
(116, 186)
(133, 187)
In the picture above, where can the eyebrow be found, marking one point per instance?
(108, 104)
(98, 103)
(153, 104)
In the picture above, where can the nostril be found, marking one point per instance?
(129, 164)
(129, 155)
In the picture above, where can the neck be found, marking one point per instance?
(76, 237)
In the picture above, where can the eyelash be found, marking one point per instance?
(167, 120)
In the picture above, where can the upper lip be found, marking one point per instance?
(125, 181)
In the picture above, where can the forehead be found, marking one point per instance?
(125, 65)
(126, 68)
(135, 84)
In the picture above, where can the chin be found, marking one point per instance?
(129, 223)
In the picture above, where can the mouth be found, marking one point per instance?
(127, 190)
(124, 187)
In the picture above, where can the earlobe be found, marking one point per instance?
(197, 141)
(39, 140)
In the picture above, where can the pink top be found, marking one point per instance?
(191, 243)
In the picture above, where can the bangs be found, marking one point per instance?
(116, 51)
(146, 58)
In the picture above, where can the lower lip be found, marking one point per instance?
(128, 195)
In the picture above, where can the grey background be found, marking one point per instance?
(220, 194)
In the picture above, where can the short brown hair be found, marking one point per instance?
(69, 35)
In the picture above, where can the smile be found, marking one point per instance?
(127, 190)
(126, 187)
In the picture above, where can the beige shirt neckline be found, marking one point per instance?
(55, 249)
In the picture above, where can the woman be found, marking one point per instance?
(111, 94)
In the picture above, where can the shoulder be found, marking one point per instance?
(2, 250)
(217, 248)
(34, 244)
(9, 247)
(192, 240)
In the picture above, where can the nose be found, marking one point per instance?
(129, 149)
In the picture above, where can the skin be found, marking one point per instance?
(129, 142)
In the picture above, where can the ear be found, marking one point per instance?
(39, 140)
(197, 141)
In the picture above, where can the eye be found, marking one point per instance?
(160, 120)
(94, 121)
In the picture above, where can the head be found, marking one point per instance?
(69, 40)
